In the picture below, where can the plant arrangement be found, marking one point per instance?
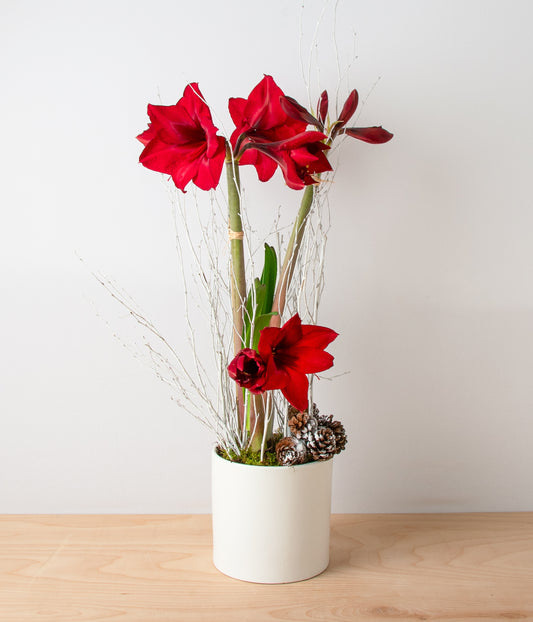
(266, 354)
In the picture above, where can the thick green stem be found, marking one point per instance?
(238, 275)
(257, 422)
(291, 255)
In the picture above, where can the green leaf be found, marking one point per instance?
(262, 321)
(259, 301)
(268, 277)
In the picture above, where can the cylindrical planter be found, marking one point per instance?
(271, 524)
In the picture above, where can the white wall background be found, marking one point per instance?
(430, 264)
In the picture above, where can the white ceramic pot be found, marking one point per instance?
(271, 524)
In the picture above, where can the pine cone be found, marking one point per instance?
(338, 429)
(321, 445)
(290, 450)
(303, 426)
(292, 411)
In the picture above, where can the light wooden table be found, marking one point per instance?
(158, 568)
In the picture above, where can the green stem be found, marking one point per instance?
(291, 255)
(237, 276)
(257, 422)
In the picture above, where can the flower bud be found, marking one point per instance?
(248, 370)
(322, 107)
(349, 108)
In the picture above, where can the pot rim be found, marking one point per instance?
(312, 464)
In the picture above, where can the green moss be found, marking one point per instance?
(254, 457)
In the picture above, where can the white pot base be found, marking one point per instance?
(271, 524)
(293, 579)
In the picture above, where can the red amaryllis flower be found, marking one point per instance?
(182, 141)
(291, 352)
(248, 370)
(299, 158)
(261, 118)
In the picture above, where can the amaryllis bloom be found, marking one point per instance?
(291, 352)
(300, 157)
(248, 370)
(261, 118)
(182, 141)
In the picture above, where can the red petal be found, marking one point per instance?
(265, 166)
(148, 135)
(374, 135)
(299, 140)
(276, 378)
(193, 102)
(165, 116)
(296, 391)
(317, 336)
(236, 106)
(263, 109)
(210, 168)
(287, 166)
(233, 369)
(184, 173)
(290, 173)
(320, 165)
(310, 360)
(298, 177)
(285, 337)
(160, 156)
(302, 156)
(267, 339)
(296, 111)
(291, 331)
(322, 106)
(350, 106)
(195, 105)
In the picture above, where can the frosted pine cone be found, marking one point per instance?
(338, 429)
(292, 411)
(302, 425)
(322, 445)
(290, 450)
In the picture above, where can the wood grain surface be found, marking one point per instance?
(158, 569)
